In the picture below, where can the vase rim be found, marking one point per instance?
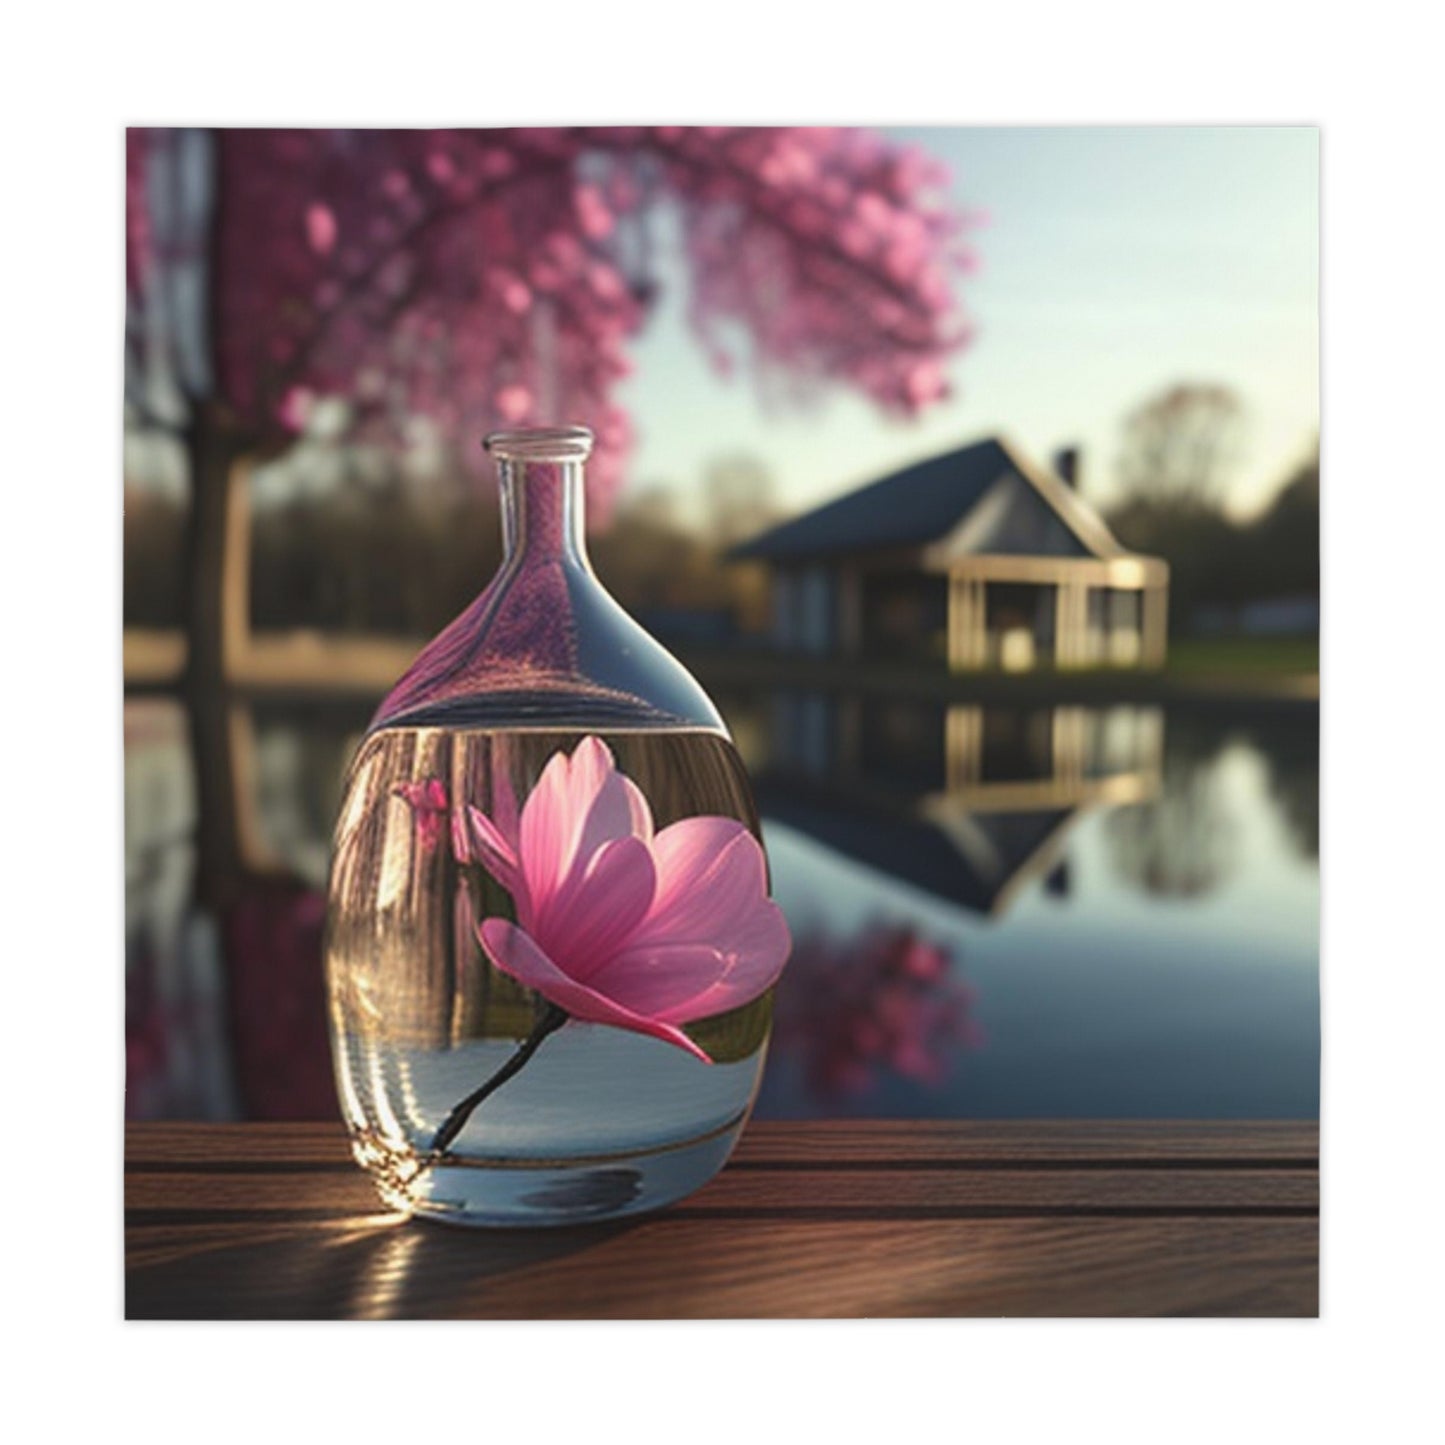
(540, 444)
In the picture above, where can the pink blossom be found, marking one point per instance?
(515, 293)
(321, 228)
(592, 213)
(428, 800)
(295, 407)
(618, 924)
(925, 383)
(513, 402)
(495, 164)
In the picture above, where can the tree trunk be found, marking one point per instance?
(214, 449)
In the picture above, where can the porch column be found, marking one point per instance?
(967, 640)
(1069, 746)
(962, 747)
(1071, 620)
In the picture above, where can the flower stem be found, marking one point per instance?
(551, 1020)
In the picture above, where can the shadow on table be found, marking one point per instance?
(371, 1267)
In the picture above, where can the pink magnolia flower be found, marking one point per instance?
(618, 924)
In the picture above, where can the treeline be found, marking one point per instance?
(399, 561)
(1217, 562)
(391, 558)
(1179, 449)
(381, 564)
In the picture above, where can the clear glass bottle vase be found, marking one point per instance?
(549, 951)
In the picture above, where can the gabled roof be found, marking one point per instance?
(926, 502)
(919, 850)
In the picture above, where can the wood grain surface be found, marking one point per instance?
(808, 1220)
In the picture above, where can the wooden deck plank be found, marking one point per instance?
(834, 1142)
(829, 1143)
(669, 1267)
(836, 1220)
(894, 1194)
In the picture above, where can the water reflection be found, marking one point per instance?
(965, 802)
(851, 1010)
(1122, 901)
(1292, 755)
(1128, 897)
(175, 1030)
(1182, 843)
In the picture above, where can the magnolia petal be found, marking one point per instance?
(517, 955)
(712, 885)
(617, 811)
(637, 806)
(505, 814)
(598, 906)
(656, 978)
(590, 765)
(546, 831)
(688, 850)
(557, 813)
(711, 890)
(579, 804)
(681, 982)
(497, 856)
(749, 972)
(487, 835)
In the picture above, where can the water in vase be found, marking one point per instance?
(601, 1120)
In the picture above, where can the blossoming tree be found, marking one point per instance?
(486, 277)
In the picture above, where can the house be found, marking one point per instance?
(979, 557)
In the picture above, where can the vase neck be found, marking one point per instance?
(542, 512)
(545, 643)
(543, 498)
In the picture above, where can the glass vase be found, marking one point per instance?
(550, 952)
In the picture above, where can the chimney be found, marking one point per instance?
(1066, 464)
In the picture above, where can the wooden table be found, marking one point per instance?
(274, 1221)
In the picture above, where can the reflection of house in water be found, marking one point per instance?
(979, 556)
(967, 803)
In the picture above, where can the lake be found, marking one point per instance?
(997, 912)
(1047, 911)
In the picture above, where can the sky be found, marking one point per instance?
(1114, 263)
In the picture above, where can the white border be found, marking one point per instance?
(77, 74)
